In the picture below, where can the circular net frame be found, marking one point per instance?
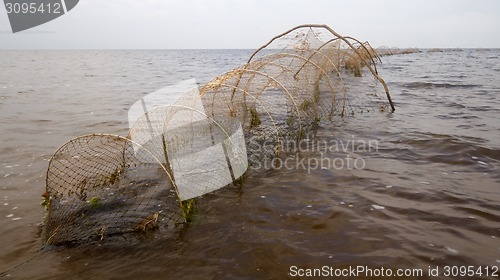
(101, 185)
(304, 76)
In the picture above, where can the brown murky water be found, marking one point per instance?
(425, 190)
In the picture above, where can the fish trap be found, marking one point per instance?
(100, 185)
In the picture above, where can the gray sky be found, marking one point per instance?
(225, 24)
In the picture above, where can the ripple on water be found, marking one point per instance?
(428, 195)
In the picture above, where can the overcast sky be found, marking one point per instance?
(227, 24)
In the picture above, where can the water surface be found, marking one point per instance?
(428, 193)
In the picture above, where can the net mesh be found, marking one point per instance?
(305, 75)
(100, 185)
(203, 153)
(106, 184)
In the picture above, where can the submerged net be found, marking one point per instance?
(101, 185)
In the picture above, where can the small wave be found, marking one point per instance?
(428, 85)
(455, 105)
(456, 117)
(446, 149)
(477, 211)
(481, 108)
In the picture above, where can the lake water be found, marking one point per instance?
(428, 192)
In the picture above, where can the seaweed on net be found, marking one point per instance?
(99, 185)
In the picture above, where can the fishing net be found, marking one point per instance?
(299, 78)
(177, 150)
(100, 185)
(203, 153)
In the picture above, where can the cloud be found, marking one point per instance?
(198, 24)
